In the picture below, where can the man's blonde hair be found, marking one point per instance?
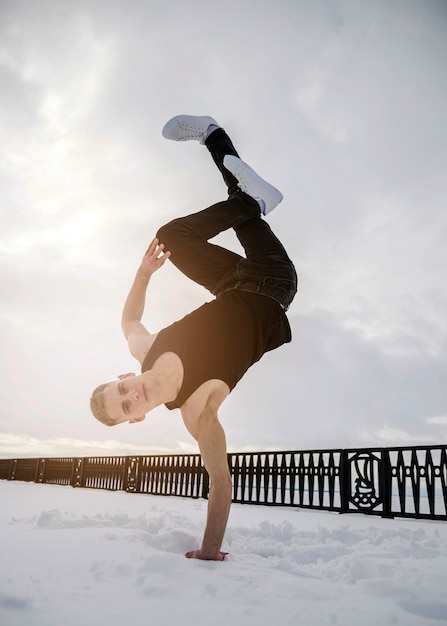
(97, 406)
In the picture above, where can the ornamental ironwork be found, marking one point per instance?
(365, 473)
(391, 482)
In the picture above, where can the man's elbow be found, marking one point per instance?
(126, 328)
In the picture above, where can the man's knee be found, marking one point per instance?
(163, 233)
(170, 233)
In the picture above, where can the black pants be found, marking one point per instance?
(266, 268)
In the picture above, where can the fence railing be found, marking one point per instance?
(390, 482)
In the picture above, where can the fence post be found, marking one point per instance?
(205, 483)
(77, 472)
(131, 472)
(12, 469)
(385, 480)
(344, 472)
(40, 471)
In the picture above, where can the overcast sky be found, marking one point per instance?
(341, 104)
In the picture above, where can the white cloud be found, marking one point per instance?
(437, 419)
(342, 104)
(22, 445)
(390, 436)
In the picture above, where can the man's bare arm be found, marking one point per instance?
(200, 414)
(212, 444)
(133, 310)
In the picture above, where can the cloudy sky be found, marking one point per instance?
(342, 104)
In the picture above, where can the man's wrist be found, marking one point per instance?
(143, 274)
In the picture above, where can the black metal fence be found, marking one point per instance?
(390, 482)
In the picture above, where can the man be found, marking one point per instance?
(194, 363)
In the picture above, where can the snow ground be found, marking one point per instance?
(79, 556)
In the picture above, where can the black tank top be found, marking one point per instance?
(221, 339)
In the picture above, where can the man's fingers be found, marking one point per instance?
(154, 244)
(154, 257)
(164, 256)
(151, 246)
(159, 250)
(155, 249)
(159, 260)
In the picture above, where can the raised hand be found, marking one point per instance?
(154, 257)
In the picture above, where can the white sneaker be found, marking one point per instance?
(187, 127)
(252, 184)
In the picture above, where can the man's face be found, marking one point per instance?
(127, 399)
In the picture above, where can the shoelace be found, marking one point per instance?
(191, 131)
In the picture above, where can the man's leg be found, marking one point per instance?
(187, 238)
(238, 175)
(266, 262)
(220, 145)
(267, 268)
